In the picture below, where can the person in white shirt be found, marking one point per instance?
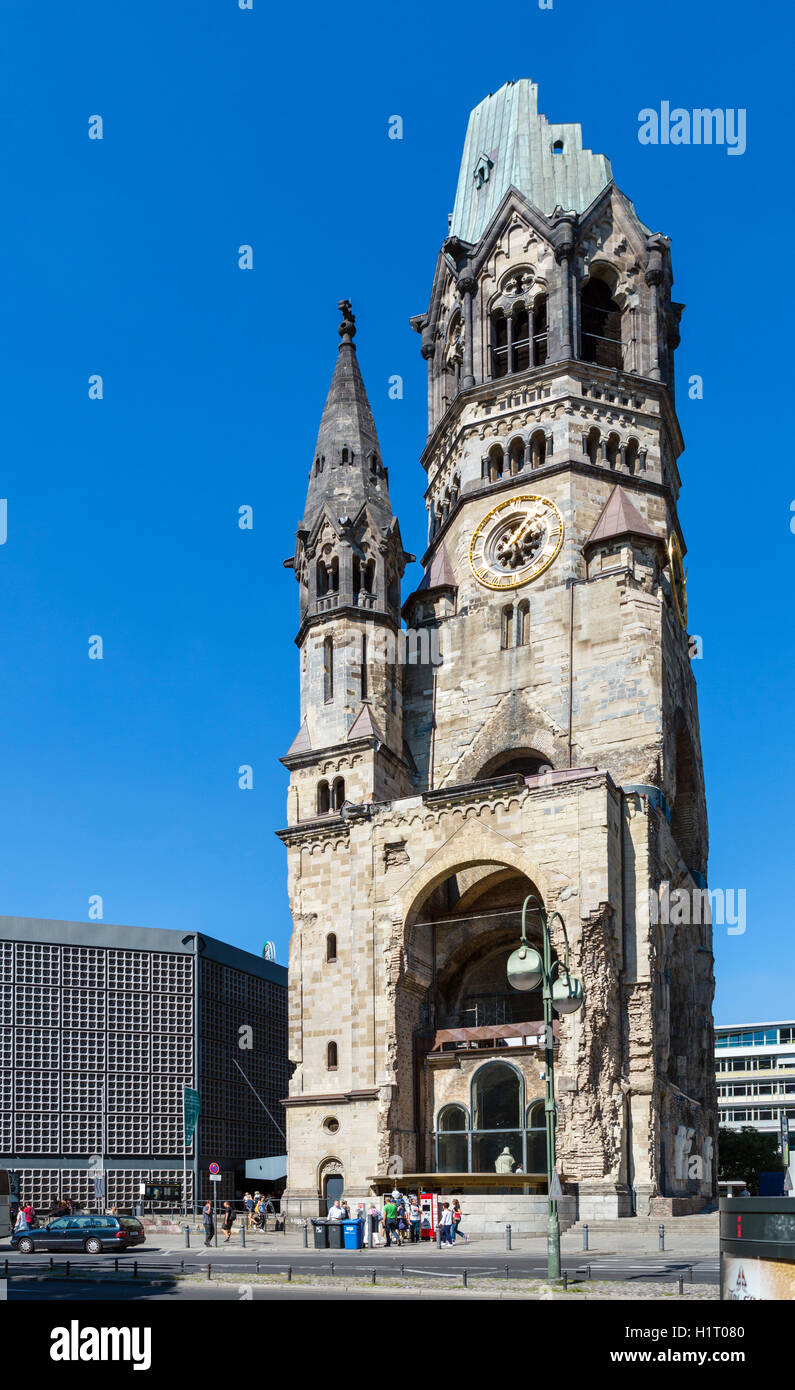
(446, 1225)
(336, 1213)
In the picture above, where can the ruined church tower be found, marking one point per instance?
(537, 732)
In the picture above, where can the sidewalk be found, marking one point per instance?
(616, 1241)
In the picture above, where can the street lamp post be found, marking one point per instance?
(561, 991)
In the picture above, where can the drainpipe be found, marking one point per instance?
(571, 583)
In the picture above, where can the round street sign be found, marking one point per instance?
(214, 1168)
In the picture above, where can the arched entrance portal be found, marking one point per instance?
(476, 1062)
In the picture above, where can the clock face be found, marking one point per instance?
(516, 542)
(678, 579)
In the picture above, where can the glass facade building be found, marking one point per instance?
(101, 1026)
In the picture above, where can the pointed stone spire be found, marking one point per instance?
(347, 470)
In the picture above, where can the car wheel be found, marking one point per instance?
(93, 1246)
(25, 1245)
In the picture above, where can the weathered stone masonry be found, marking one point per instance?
(554, 746)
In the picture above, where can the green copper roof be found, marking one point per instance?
(508, 142)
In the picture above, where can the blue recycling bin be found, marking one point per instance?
(353, 1234)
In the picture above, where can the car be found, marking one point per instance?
(93, 1234)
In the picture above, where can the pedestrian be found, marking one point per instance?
(260, 1211)
(248, 1207)
(228, 1222)
(346, 1211)
(335, 1212)
(390, 1219)
(456, 1227)
(208, 1222)
(374, 1222)
(21, 1223)
(446, 1224)
(30, 1214)
(414, 1219)
(402, 1222)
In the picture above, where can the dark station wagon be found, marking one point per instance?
(93, 1234)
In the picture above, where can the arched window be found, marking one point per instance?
(600, 318)
(323, 799)
(632, 455)
(523, 623)
(452, 1140)
(502, 1137)
(540, 330)
(496, 463)
(499, 345)
(331, 1056)
(331, 947)
(337, 793)
(347, 456)
(557, 148)
(516, 455)
(613, 450)
(538, 449)
(497, 1127)
(592, 444)
(328, 669)
(536, 1138)
(506, 636)
(521, 341)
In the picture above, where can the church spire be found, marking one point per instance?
(347, 470)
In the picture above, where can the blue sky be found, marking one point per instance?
(224, 127)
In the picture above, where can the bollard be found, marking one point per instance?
(464, 1279)
(661, 1234)
(209, 1268)
(507, 1238)
(257, 1266)
(690, 1280)
(681, 1283)
(135, 1269)
(565, 1280)
(52, 1262)
(402, 1269)
(115, 1264)
(372, 1276)
(243, 1235)
(332, 1268)
(589, 1271)
(289, 1274)
(67, 1269)
(186, 1229)
(585, 1237)
(507, 1271)
(438, 1237)
(305, 1235)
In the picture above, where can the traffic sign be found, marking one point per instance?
(214, 1168)
(215, 1177)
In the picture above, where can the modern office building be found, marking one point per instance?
(100, 1028)
(755, 1067)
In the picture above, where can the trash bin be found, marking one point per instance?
(353, 1234)
(320, 1228)
(334, 1229)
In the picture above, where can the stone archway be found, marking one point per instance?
(330, 1182)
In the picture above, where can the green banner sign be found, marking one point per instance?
(192, 1112)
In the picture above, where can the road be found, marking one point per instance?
(443, 1265)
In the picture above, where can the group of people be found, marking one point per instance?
(24, 1216)
(255, 1210)
(401, 1219)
